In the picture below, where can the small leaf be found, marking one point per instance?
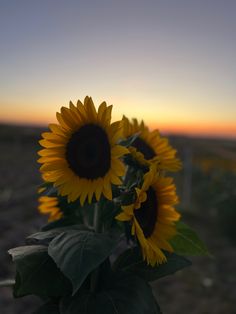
(132, 261)
(36, 273)
(7, 283)
(125, 294)
(77, 253)
(20, 252)
(47, 189)
(187, 242)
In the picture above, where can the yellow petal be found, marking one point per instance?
(129, 210)
(101, 110)
(99, 188)
(62, 122)
(92, 189)
(107, 188)
(117, 167)
(122, 217)
(57, 129)
(114, 179)
(48, 159)
(55, 151)
(91, 111)
(55, 165)
(69, 118)
(50, 144)
(52, 176)
(54, 138)
(106, 116)
(85, 190)
(119, 151)
(82, 112)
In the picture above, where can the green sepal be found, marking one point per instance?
(77, 253)
(187, 242)
(128, 197)
(37, 273)
(125, 294)
(49, 189)
(130, 140)
(132, 261)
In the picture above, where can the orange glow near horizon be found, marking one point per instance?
(202, 129)
(155, 115)
(198, 129)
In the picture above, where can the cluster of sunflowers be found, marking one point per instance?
(85, 155)
(112, 223)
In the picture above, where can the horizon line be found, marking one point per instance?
(166, 131)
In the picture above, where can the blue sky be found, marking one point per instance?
(170, 62)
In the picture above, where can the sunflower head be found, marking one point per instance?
(152, 145)
(153, 216)
(81, 155)
(49, 205)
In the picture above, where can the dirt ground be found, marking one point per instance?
(208, 286)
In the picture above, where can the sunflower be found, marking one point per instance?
(150, 143)
(50, 206)
(153, 216)
(80, 155)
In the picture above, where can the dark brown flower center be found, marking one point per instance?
(146, 215)
(144, 148)
(88, 152)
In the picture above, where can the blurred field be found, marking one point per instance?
(207, 189)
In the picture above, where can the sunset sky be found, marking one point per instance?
(169, 62)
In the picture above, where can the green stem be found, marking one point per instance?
(97, 223)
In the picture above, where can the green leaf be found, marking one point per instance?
(125, 294)
(77, 253)
(187, 242)
(158, 309)
(48, 308)
(45, 237)
(82, 302)
(132, 261)
(36, 273)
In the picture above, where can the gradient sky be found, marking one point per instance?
(169, 62)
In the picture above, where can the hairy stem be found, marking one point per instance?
(98, 229)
